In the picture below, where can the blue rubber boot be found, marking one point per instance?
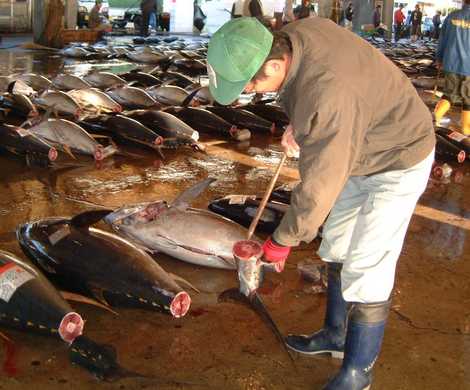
(364, 337)
(331, 338)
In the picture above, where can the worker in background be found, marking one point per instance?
(416, 20)
(252, 8)
(365, 158)
(398, 18)
(377, 16)
(453, 55)
(436, 23)
(199, 18)
(348, 16)
(147, 7)
(96, 21)
(288, 15)
(304, 10)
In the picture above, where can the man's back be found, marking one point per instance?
(454, 45)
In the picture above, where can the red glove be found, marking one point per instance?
(276, 254)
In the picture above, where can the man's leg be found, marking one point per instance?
(452, 84)
(465, 93)
(369, 270)
(336, 238)
(144, 28)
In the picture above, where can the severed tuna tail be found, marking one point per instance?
(100, 360)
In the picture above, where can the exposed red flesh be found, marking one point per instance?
(180, 304)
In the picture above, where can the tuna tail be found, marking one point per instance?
(186, 197)
(100, 360)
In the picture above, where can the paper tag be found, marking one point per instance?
(12, 277)
(239, 199)
(22, 132)
(459, 137)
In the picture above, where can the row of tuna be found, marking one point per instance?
(157, 117)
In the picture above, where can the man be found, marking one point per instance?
(453, 54)
(377, 17)
(247, 8)
(436, 22)
(348, 15)
(399, 18)
(147, 7)
(365, 158)
(416, 20)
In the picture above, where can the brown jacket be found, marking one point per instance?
(354, 113)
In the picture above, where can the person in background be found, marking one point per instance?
(252, 8)
(304, 10)
(96, 21)
(147, 7)
(348, 16)
(377, 17)
(416, 20)
(237, 9)
(399, 18)
(153, 20)
(436, 22)
(453, 55)
(199, 18)
(288, 15)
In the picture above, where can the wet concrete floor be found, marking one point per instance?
(225, 345)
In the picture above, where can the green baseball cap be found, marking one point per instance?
(236, 52)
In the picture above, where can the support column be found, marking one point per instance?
(387, 16)
(363, 12)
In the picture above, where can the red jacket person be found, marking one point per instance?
(366, 144)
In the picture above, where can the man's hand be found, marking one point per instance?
(291, 148)
(276, 254)
(438, 65)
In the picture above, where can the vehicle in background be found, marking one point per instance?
(133, 15)
(84, 8)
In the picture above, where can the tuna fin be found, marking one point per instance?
(69, 296)
(68, 151)
(190, 97)
(186, 197)
(98, 294)
(11, 87)
(84, 220)
(177, 278)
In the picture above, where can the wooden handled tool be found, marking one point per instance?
(266, 196)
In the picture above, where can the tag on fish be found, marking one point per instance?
(239, 199)
(12, 277)
(55, 237)
(22, 132)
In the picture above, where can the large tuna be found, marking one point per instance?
(59, 102)
(71, 137)
(95, 101)
(107, 266)
(132, 97)
(66, 82)
(104, 79)
(205, 121)
(23, 142)
(193, 235)
(30, 303)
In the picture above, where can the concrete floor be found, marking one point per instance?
(225, 345)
